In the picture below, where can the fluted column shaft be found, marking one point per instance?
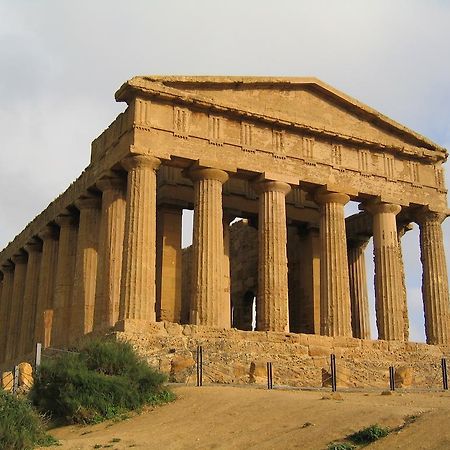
(26, 340)
(272, 300)
(44, 307)
(208, 250)
(109, 270)
(226, 305)
(168, 263)
(64, 280)
(388, 282)
(83, 294)
(335, 309)
(5, 307)
(404, 301)
(434, 280)
(137, 301)
(358, 289)
(15, 317)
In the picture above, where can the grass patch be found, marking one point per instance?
(340, 446)
(104, 380)
(369, 434)
(21, 427)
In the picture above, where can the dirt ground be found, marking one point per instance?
(224, 417)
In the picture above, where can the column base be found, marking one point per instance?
(137, 325)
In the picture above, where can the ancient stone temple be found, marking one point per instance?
(284, 154)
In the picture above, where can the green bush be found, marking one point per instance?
(340, 446)
(21, 427)
(369, 434)
(103, 380)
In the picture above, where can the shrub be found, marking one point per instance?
(340, 446)
(369, 434)
(104, 380)
(21, 427)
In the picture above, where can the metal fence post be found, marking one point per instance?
(269, 376)
(37, 357)
(444, 374)
(391, 378)
(199, 365)
(333, 372)
(16, 380)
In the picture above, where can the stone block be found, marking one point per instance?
(25, 375)
(316, 350)
(258, 371)
(7, 381)
(181, 368)
(404, 376)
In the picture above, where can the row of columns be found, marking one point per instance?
(108, 277)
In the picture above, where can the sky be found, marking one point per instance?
(61, 62)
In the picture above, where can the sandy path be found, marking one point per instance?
(221, 417)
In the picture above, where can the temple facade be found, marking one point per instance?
(284, 154)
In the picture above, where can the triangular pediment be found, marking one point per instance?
(306, 101)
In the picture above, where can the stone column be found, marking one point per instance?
(44, 308)
(137, 296)
(434, 278)
(168, 264)
(401, 230)
(272, 300)
(335, 307)
(208, 250)
(109, 270)
(26, 340)
(5, 307)
(83, 293)
(388, 283)
(15, 317)
(358, 288)
(64, 280)
(226, 305)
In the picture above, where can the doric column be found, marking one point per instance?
(110, 250)
(388, 283)
(334, 284)
(26, 340)
(83, 293)
(208, 250)
(15, 317)
(272, 300)
(137, 296)
(5, 306)
(226, 303)
(64, 280)
(168, 264)
(401, 230)
(434, 278)
(44, 307)
(358, 288)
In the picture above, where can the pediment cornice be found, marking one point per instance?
(153, 86)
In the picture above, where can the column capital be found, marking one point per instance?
(19, 258)
(378, 207)
(139, 161)
(208, 174)
(48, 232)
(271, 186)
(424, 215)
(90, 202)
(7, 267)
(65, 220)
(111, 182)
(323, 196)
(33, 247)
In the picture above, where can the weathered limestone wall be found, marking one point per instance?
(233, 356)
